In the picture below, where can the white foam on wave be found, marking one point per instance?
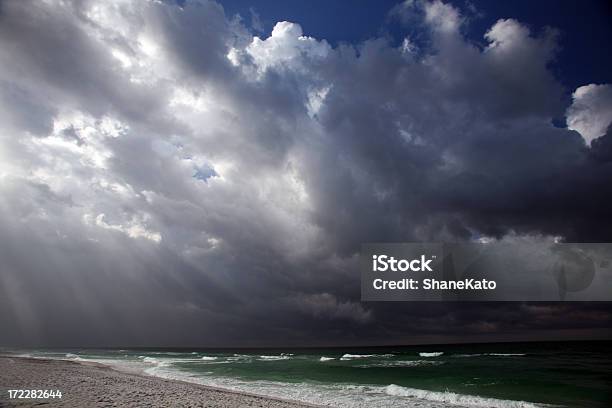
(506, 354)
(151, 360)
(491, 354)
(154, 365)
(274, 358)
(208, 358)
(326, 358)
(71, 357)
(128, 364)
(156, 362)
(357, 355)
(349, 356)
(165, 362)
(240, 358)
(452, 398)
(431, 354)
(401, 363)
(354, 356)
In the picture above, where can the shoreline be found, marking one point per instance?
(85, 383)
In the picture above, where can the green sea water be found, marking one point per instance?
(576, 374)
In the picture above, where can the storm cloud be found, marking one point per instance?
(170, 177)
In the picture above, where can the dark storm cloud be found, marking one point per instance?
(169, 179)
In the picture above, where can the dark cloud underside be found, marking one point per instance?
(169, 178)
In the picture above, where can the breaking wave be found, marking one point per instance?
(506, 354)
(402, 363)
(491, 354)
(354, 356)
(274, 358)
(431, 354)
(351, 356)
(452, 398)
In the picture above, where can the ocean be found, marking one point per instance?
(567, 374)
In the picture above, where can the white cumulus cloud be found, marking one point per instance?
(591, 111)
(286, 46)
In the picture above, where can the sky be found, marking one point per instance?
(203, 174)
(369, 19)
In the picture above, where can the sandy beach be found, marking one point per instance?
(93, 385)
